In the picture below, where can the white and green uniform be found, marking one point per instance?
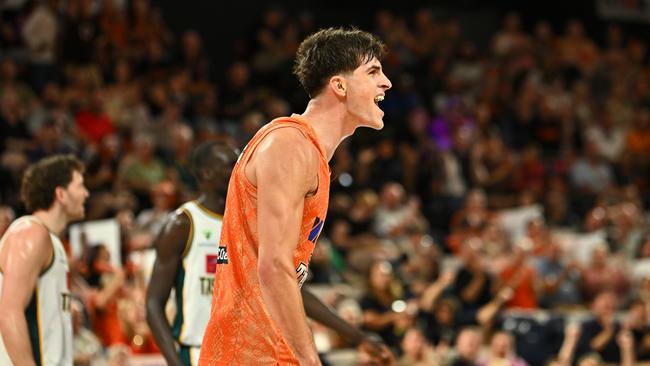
(48, 313)
(195, 279)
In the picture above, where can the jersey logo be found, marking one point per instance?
(301, 272)
(211, 260)
(315, 230)
(207, 234)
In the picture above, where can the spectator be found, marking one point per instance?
(141, 170)
(416, 350)
(599, 334)
(520, 276)
(559, 279)
(473, 284)
(394, 214)
(502, 351)
(385, 310)
(603, 273)
(468, 347)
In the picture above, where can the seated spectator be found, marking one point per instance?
(501, 351)
(468, 347)
(416, 351)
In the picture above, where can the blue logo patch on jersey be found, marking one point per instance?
(315, 230)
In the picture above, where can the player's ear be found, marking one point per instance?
(59, 193)
(338, 84)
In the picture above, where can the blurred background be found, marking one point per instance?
(501, 216)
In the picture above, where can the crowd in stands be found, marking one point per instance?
(501, 217)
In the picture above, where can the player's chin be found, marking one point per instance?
(79, 214)
(377, 125)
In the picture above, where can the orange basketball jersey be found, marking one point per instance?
(240, 330)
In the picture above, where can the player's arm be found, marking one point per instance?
(169, 247)
(285, 169)
(323, 314)
(29, 253)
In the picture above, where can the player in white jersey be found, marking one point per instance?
(187, 254)
(35, 324)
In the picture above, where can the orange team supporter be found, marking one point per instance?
(240, 330)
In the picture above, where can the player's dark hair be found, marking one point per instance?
(41, 179)
(332, 51)
(205, 156)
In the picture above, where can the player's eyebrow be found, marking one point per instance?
(373, 68)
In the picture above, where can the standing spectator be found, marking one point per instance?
(41, 32)
(381, 313)
(604, 273)
(473, 284)
(92, 121)
(520, 275)
(395, 215)
(141, 170)
(599, 334)
(607, 137)
(559, 281)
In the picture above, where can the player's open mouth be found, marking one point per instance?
(379, 98)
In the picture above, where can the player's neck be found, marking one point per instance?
(329, 123)
(53, 219)
(213, 202)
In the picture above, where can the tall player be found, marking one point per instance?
(36, 325)
(277, 201)
(187, 254)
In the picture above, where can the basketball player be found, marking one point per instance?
(187, 254)
(277, 201)
(36, 324)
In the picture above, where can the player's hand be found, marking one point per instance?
(374, 352)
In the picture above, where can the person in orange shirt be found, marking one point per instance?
(277, 201)
(521, 277)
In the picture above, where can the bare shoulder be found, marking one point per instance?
(29, 231)
(177, 220)
(174, 234)
(28, 240)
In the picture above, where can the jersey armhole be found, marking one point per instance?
(190, 236)
(50, 264)
(246, 157)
